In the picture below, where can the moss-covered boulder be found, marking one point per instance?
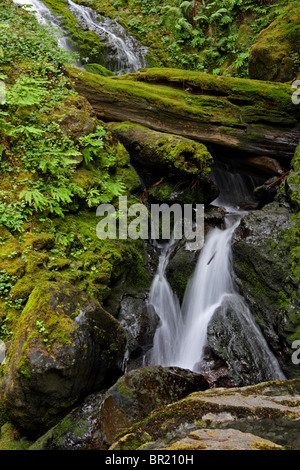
(289, 190)
(141, 391)
(64, 347)
(269, 411)
(74, 115)
(133, 397)
(275, 54)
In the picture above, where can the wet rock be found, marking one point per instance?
(233, 336)
(134, 396)
(269, 411)
(139, 321)
(65, 346)
(266, 165)
(263, 257)
(180, 268)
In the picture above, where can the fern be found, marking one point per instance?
(26, 91)
(34, 198)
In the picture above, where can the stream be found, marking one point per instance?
(124, 54)
(181, 337)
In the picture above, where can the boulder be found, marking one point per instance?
(234, 336)
(275, 54)
(269, 411)
(96, 423)
(139, 321)
(265, 270)
(65, 346)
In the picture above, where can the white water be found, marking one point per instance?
(128, 55)
(181, 338)
(47, 18)
(167, 307)
(124, 54)
(210, 283)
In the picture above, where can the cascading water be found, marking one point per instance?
(126, 53)
(166, 305)
(210, 283)
(210, 290)
(47, 18)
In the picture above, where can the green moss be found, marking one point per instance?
(87, 42)
(275, 56)
(10, 439)
(217, 100)
(98, 70)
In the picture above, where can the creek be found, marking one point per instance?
(181, 337)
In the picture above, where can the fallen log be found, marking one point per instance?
(249, 116)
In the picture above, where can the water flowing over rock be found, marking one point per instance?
(212, 314)
(53, 22)
(123, 53)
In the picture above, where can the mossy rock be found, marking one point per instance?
(133, 397)
(98, 70)
(75, 117)
(64, 347)
(268, 410)
(275, 55)
(265, 262)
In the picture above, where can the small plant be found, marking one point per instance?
(42, 330)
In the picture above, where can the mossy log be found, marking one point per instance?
(249, 116)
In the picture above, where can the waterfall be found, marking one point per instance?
(46, 17)
(126, 53)
(210, 283)
(182, 336)
(166, 305)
